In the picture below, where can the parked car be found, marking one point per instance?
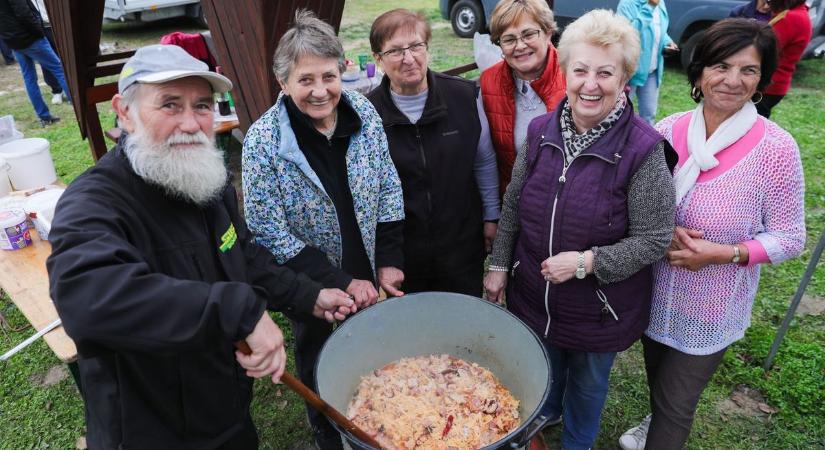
(151, 10)
(688, 18)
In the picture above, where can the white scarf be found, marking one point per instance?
(702, 151)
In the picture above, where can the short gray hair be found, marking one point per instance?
(130, 95)
(309, 35)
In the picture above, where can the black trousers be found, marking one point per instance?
(467, 280)
(310, 336)
(766, 105)
(246, 439)
(676, 381)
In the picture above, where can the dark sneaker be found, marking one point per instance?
(49, 121)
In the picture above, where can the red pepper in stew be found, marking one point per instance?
(447, 427)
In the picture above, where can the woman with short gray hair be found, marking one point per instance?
(320, 190)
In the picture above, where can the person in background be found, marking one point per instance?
(754, 9)
(440, 143)
(589, 209)
(740, 204)
(527, 84)
(48, 77)
(793, 29)
(651, 20)
(21, 27)
(155, 275)
(320, 189)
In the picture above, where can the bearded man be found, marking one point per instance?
(155, 275)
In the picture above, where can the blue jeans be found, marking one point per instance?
(647, 98)
(41, 52)
(579, 390)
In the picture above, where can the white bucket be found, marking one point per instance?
(31, 163)
(5, 184)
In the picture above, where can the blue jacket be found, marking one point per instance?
(640, 15)
(286, 205)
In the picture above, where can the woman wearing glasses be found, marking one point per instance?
(440, 144)
(527, 84)
(320, 190)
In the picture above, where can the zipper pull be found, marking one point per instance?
(513, 270)
(607, 306)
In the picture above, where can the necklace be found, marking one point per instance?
(331, 130)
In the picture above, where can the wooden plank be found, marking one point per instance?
(114, 56)
(456, 71)
(24, 278)
(100, 94)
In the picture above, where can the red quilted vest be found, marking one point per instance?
(498, 89)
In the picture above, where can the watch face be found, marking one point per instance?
(580, 273)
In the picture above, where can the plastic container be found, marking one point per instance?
(40, 205)
(5, 184)
(30, 163)
(14, 230)
(7, 131)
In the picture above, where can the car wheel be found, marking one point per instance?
(466, 18)
(689, 46)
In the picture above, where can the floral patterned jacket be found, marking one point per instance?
(286, 205)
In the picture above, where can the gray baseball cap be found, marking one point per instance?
(155, 64)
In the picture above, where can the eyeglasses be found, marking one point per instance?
(396, 54)
(509, 40)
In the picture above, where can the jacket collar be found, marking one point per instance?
(607, 147)
(435, 108)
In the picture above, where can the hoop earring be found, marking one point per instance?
(760, 98)
(695, 94)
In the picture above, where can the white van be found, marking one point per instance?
(151, 10)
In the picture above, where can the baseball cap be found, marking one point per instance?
(155, 64)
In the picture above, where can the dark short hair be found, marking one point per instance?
(387, 24)
(729, 36)
(781, 5)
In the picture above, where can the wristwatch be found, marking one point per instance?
(736, 255)
(580, 272)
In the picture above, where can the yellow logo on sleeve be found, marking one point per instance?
(228, 239)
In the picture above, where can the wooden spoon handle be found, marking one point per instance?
(317, 402)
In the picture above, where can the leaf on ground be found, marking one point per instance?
(54, 375)
(80, 444)
(747, 402)
(282, 404)
(811, 306)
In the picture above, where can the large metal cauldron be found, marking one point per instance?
(434, 323)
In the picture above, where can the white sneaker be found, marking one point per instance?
(57, 99)
(636, 437)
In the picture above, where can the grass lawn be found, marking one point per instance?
(40, 407)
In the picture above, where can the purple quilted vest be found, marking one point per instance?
(590, 210)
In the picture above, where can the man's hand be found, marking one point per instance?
(363, 292)
(490, 229)
(268, 356)
(494, 284)
(333, 304)
(390, 279)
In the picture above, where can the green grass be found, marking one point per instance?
(35, 417)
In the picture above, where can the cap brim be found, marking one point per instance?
(219, 82)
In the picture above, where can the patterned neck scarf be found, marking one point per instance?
(575, 143)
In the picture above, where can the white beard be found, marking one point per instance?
(196, 174)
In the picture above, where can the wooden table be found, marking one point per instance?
(24, 278)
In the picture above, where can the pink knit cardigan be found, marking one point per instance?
(754, 196)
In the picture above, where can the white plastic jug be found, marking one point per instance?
(30, 163)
